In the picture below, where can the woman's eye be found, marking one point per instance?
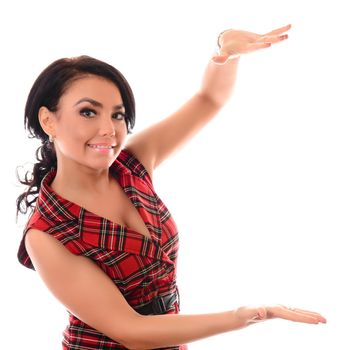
(119, 116)
(87, 113)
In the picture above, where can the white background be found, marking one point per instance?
(261, 196)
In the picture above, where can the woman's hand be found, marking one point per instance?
(249, 315)
(233, 43)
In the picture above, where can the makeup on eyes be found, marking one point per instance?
(119, 109)
(120, 115)
(87, 110)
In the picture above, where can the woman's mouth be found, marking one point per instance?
(101, 146)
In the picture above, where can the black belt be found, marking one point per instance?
(159, 305)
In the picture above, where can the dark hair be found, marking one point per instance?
(47, 91)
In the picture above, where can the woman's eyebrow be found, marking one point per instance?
(97, 104)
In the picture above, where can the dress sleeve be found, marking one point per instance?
(65, 232)
(22, 253)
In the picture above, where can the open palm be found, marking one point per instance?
(233, 43)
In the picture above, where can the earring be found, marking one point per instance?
(50, 138)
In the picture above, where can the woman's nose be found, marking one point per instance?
(107, 127)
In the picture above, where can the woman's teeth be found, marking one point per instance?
(101, 146)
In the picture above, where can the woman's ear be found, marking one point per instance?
(47, 121)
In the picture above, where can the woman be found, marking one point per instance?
(99, 236)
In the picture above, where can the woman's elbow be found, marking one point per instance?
(137, 343)
(133, 337)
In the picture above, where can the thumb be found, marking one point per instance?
(220, 59)
(260, 314)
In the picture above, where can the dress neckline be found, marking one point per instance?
(68, 210)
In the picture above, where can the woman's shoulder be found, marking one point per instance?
(130, 161)
(41, 245)
(48, 223)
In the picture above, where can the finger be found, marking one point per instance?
(301, 310)
(279, 30)
(298, 315)
(257, 46)
(272, 39)
(312, 314)
(304, 317)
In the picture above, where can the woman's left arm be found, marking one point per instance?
(154, 144)
(157, 142)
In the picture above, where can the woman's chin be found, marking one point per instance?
(101, 164)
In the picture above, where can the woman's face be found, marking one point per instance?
(89, 127)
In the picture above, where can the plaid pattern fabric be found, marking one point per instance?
(141, 267)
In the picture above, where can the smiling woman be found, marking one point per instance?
(100, 237)
(42, 106)
(82, 124)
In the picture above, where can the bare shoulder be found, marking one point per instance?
(56, 265)
(45, 250)
(36, 241)
(142, 152)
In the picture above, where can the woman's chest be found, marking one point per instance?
(122, 207)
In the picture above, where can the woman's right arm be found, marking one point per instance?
(89, 294)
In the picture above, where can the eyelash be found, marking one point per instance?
(89, 110)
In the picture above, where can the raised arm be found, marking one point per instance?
(157, 142)
(89, 294)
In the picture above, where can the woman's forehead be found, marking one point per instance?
(93, 87)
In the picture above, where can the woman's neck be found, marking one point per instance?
(74, 181)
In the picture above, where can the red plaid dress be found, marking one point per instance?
(141, 267)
